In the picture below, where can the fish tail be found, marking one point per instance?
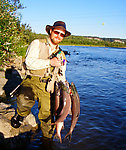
(58, 137)
(68, 136)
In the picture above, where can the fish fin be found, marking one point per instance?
(58, 138)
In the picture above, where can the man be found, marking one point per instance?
(45, 63)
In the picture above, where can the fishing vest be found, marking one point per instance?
(43, 54)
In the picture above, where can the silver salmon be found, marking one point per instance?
(66, 103)
(62, 107)
(75, 110)
(59, 125)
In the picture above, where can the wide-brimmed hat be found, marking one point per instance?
(58, 25)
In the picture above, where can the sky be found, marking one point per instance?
(101, 18)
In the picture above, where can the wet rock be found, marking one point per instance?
(30, 119)
(6, 113)
(25, 128)
(6, 129)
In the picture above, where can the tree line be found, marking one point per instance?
(94, 41)
(16, 36)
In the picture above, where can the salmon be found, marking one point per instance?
(60, 125)
(62, 107)
(75, 110)
(65, 103)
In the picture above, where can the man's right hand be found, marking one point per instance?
(55, 62)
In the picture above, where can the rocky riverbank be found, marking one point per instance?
(9, 79)
(6, 130)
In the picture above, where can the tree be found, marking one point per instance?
(9, 27)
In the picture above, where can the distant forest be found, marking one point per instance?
(15, 36)
(94, 41)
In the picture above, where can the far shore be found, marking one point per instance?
(90, 46)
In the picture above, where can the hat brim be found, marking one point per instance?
(48, 27)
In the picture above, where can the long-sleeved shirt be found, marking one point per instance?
(33, 60)
(37, 56)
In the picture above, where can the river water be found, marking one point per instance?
(100, 78)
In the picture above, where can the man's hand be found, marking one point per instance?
(55, 62)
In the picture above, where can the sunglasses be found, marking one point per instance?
(57, 32)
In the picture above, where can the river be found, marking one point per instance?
(100, 78)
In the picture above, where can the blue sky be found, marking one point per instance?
(102, 18)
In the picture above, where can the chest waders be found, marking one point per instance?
(34, 88)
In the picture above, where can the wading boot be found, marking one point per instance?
(16, 121)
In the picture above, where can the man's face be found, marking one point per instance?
(56, 36)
